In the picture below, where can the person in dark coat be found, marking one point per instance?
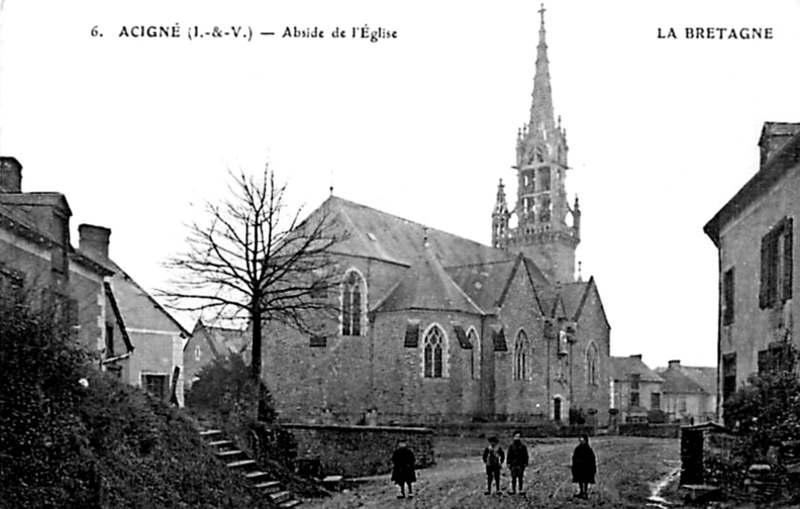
(403, 474)
(517, 461)
(584, 466)
(493, 457)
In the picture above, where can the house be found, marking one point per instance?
(637, 390)
(754, 235)
(156, 363)
(112, 316)
(689, 394)
(37, 259)
(436, 328)
(207, 343)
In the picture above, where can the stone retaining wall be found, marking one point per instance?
(358, 451)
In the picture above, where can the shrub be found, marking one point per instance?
(100, 444)
(226, 394)
(765, 411)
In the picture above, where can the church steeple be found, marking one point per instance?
(542, 123)
(546, 224)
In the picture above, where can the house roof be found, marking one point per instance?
(779, 164)
(625, 366)
(426, 285)
(221, 340)
(131, 296)
(689, 379)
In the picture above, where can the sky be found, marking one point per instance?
(138, 132)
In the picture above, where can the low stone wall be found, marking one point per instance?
(507, 430)
(358, 451)
(650, 430)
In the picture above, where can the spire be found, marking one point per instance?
(500, 207)
(542, 122)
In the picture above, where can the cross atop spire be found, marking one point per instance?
(542, 120)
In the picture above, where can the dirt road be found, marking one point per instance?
(627, 470)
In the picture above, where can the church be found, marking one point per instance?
(435, 328)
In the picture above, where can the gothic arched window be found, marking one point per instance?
(475, 341)
(353, 304)
(592, 369)
(434, 353)
(521, 360)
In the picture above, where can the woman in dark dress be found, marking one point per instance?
(403, 468)
(584, 466)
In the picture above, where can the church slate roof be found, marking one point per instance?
(426, 285)
(450, 273)
(376, 234)
(484, 283)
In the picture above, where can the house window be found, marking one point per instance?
(433, 353)
(197, 353)
(635, 379)
(353, 304)
(682, 404)
(634, 398)
(155, 385)
(777, 358)
(109, 340)
(728, 375)
(727, 297)
(655, 401)
(520, 370)
(476, 354)
(776, 265)
(592, 377)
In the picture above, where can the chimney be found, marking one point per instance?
(10, 175)
(637, 356)
(773, 136)
(94, 240)
(674, 364)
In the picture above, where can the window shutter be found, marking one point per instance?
(787, 260)
(412, 334)
(763, 288)
(462, 337)
(499, 339)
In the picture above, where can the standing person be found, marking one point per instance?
(584, 466)
(493, 457)
(403, 474)
(517, 461)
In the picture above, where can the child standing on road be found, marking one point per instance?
(493, 458)
(517, 461)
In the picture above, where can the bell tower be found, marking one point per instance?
(548, 229)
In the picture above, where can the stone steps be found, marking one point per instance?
(237, 460)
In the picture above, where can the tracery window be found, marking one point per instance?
(434, 353)
(353, 304)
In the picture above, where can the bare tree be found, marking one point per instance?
(255, 261)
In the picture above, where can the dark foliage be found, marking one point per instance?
(96, 444)
(226, 396)
(765, 411)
